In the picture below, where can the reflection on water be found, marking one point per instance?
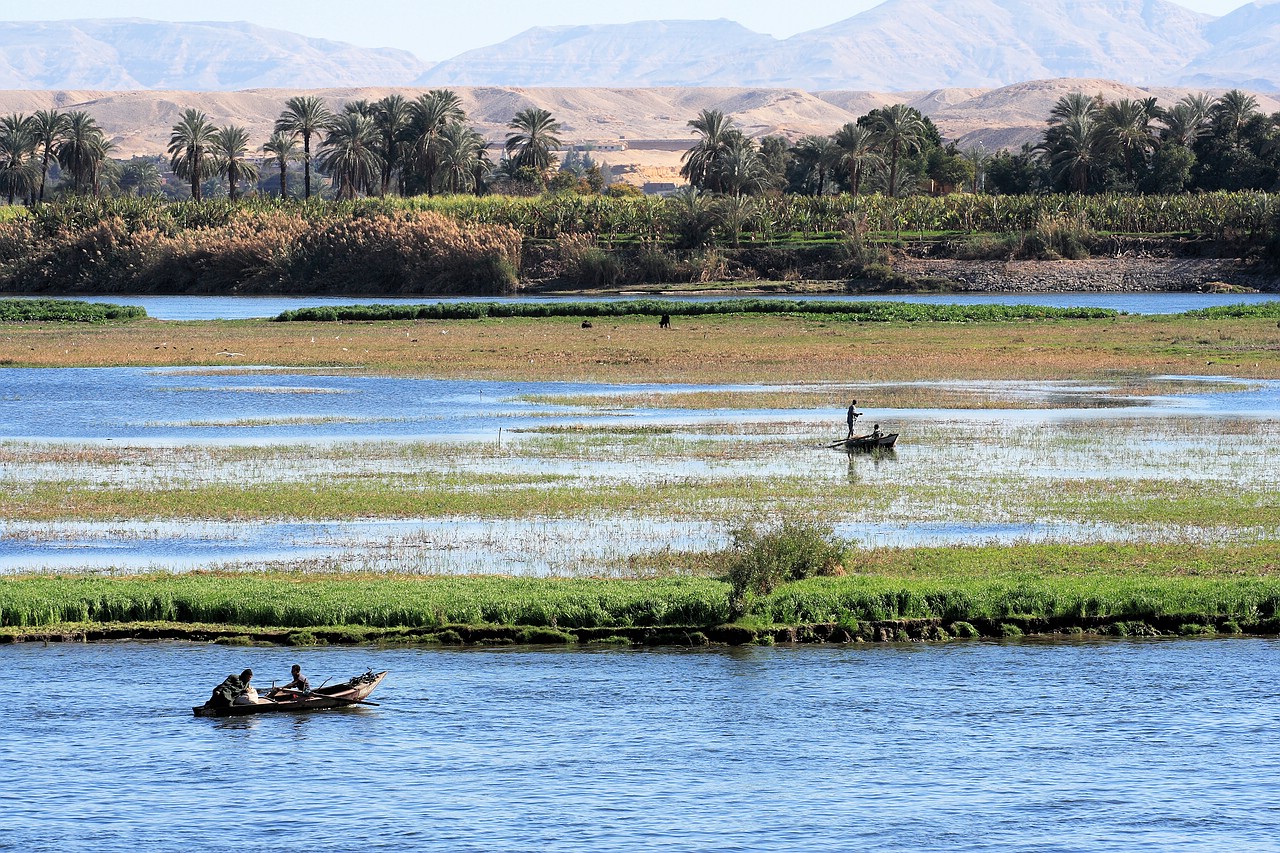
(1099, 746)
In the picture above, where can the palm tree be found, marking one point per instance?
(82, 150)
(307, 116)
(857, 153)
(1074, 141)
(734, 212)
(17, 156)
(1072, 105)
(739, 170)
(230, 158)
(1127, 126)
(429, 115)
(1076, 149)
(979, 159)
(900, 129)
(141, 177)
(391, 117)
(816, 157)
(283, 148)
(533, 140)
(1188, 120)
(715, 130)
(48, 127)
(462, 158)
(1232, 111)
(350, 154)
(191, 146)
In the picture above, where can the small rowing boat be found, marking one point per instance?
(280, 699)
(870, 442)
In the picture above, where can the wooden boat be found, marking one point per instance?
(870, 442)
(282, 700)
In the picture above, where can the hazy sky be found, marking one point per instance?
(440, 29)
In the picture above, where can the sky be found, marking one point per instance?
(436, 30)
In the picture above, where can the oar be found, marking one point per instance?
(309, 693)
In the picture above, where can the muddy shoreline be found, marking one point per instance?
(878, 631)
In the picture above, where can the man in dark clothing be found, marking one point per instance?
(226, 693)
(852, 416)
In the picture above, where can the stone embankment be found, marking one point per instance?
(1119, 275)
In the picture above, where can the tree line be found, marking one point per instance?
(424, 146)
(367, 148)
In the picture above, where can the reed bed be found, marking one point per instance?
(138, 246)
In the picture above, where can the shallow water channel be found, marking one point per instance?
(963, 475)
(1098, 746)
(249, 307)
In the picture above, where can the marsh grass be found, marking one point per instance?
(1113, 583)
(730, 349)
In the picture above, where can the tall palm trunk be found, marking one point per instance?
(44, 174)
(893, 170)
(306, 164)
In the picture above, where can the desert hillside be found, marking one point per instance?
(649, 124)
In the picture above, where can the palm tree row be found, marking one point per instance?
(724, 160)
(30, 145)
(1092, 145)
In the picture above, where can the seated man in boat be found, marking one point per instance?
(249, 694)
(875, 432)
(226, 692)
(232, 690)
(299, 682)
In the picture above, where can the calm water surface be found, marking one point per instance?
(1104, 746)
(247, 307)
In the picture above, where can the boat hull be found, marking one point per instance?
(866, 442)
(281, 701)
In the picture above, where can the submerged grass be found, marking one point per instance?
(1188, 504)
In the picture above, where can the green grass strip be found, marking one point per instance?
(1114, 582)
(868, 312)
(65, 311)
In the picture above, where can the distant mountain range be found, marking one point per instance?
(123, 54)
(900, 45)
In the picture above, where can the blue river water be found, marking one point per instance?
(1068, 746)
(247, 307)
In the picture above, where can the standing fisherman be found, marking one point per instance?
(852, 416)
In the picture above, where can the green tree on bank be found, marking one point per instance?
(306, 116)
(191, 149)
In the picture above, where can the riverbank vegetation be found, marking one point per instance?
(894, 594)
(860, 312)
(65, 311)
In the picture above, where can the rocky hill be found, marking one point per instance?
(897, 46)
(114, 54)
(901, 45)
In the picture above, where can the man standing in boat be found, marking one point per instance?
(852, 415)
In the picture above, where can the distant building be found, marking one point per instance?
(658, 188)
